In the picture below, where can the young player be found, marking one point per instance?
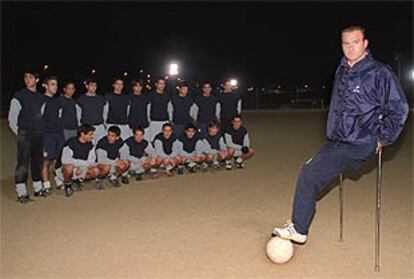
(207, 108)
(53, 138)
(181, 109)
(158, 108)
(190, 149)
(139, 110)
(119, 108)
(238, 143)
(108, 157)
(140, 154)
(368, 110)
(92, 109)
(166, 149)
(69, 116)
(214, 146)
(26, 122)
(77, 162)
(230, 105)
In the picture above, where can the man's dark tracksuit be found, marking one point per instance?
(206, 112)
(367, 106)
(230, 104)
(69, 117)
(180, 110)
(138, 114)
(25, 119)
(53, 138)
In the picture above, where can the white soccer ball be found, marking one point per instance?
(279, 250)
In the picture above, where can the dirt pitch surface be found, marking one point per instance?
(214, 225)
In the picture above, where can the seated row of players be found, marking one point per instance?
(114, 158)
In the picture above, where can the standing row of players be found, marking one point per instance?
(44, 122)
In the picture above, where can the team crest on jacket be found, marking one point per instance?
(356, 89)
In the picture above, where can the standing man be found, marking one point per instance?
(53, 138)
(207, 108)
(368, 110)
(69, 116)
(26, 122)
(92, 109)
(139, 109)
(118, 108)
(230, 105)
(158, 108)
(181, 109)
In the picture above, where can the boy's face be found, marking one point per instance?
(139, 135)
(137, 88)
(91, 87)
(213, 130)
(69, 90)
(183, 90)
(167, 132)
(118, 85)
(51, 86)
(112, 137)
(88, 136)
(236, 123)
(227, 86)
(160, 85)
(206, 89)
(190, 133)
(30, 80)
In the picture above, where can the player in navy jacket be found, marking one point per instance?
(368, 111)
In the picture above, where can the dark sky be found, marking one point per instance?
(255, 42)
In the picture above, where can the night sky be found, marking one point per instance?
(257, 43)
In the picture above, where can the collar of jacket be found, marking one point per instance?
(360, 65)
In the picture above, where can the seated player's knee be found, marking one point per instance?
(104, 169)
(67, 169)
(230, 152)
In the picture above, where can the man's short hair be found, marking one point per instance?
(31, 72)
(236, 116)
(140, 129)
(66, 83)
(207, 82)
(49, 78)
(115, 129)
(190, 126)
(214, 123)
(352, 28)
(136, 81)
(166, 125)
(159, 78)
(115, 79)
(85, 128)
(182, 83)
(90, 80)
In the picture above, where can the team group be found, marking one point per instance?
(121, 135)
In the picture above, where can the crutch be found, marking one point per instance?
(378, 211)
(341, 207)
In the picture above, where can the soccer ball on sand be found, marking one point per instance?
(279, 250)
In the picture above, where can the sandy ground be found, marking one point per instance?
(214, 225)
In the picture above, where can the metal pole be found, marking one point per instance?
(341, 207)
(378, 212)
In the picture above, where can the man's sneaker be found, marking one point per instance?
(289, 232)
(99, 185)
(228, 165)
(204, 166)
(24, 199)
(125, 179)
(138, 176)
(59, 183)
(47, 191)
(114, 182)
(216, 164)
(40, 193)
(68, 190)
(77, 184)
(180, 170)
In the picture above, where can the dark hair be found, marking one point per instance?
(182, 84)
(115, 129)
(31, 72)
(207, 82)
(236, 116)
(159, 78)
(66, 83)
(214, 123)
(352, 28)
(167, 125)
(90, 80)
(226, 80)
(135, 81)
(115, 79)
(85, 128)
(190, 126)
(139, 128)
(49, 78)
